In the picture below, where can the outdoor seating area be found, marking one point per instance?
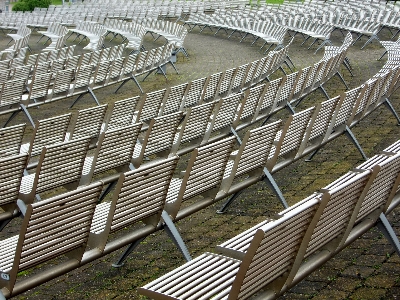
(98, 182)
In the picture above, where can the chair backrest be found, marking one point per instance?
(139, 196)
(194, 92)
(11, 139)
(196, 181)
(53, 228)
(12, 170)
(211, 86)
(252, 154)
(275, 249)
(88, 122)
(385, 184)
(173, 100)
(11, 92)
(196, 121)
(59, 165)
(47, 132)
(151, 105)
(344, 194)
(122, 113)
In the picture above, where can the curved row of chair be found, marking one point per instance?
(275, 255)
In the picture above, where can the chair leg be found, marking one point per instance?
(324, 91)
(390, 107)
(77, 99)
(342, 79)
(27, 114)
(382, 55)
(312, 155)
(107, 190)
(171, 230)
(228, 203)
(387, 230)
(353, 139)
(126, 253)
(270, 181)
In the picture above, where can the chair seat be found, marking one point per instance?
(7, 248)
(100, 217)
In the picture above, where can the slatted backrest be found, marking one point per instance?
(226, 80)
(208, 165)
(225, 113)
(286, 90)
(38, 88)
(273, 251)
(270, 95)
(325, 116)
(211, 86)
(240, 75)
(12, 169)
(366, 98)
(295, 132)
(196, 122)
(62, 81)
(250, 101)
(82, 77)
(173, 99)
(386, 182)
(11, 92)
(55, 227)
(47, 132)
(344, 195)
(152, 104)
(193, 92)
(115, 148)
(88, 122)
(101, 73)
(11, 139)
(251, 73)
(162, 134)
(122, 113)
(252, 155)
(140, 194)
(346, 109)
(60, 164)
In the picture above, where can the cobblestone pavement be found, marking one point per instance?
(368, 269)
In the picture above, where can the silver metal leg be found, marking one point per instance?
(270, 181)
(353, 139)
(126, 253)
(170, 228)
(391, 109)
(387, 230)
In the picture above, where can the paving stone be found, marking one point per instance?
(358, 271)
(365, 293)
(345, 284)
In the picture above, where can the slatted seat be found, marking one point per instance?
(53, 228)
(59, 165)
(273, 250)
